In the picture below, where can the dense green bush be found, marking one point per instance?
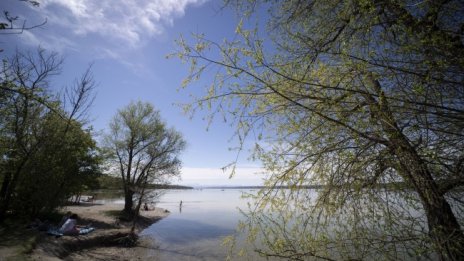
(46, 154)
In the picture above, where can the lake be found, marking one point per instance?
(196, 230)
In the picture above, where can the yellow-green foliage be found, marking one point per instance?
(362, 97)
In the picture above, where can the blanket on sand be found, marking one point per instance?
(82, 231)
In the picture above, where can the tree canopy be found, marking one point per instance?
(143, 149)
(363, 97)
(46, 153)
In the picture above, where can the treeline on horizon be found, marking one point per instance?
(112, 183)
(388, 186)
(105, 181)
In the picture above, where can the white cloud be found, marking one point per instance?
(49, 42)
(29, 38)
(244, 176)
(127, 22)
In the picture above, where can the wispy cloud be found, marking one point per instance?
(127, 22)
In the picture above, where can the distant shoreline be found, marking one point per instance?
(165, 186)
(258, 187)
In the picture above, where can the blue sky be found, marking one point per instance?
(127, 43)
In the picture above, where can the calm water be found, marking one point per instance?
(195, 231)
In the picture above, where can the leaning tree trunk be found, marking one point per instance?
(443, 226)
(444, 229)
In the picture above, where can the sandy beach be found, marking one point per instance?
(99, 244)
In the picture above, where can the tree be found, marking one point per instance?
(27, 106)
(65, 164)
(10, 23)
(363, 97)
(143, 148)
(13, 24)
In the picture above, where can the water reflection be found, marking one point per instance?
(184, 231)
(197, 225)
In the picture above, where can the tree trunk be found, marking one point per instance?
(443, 226)
(7, 191)
(5, 184)
(128, 200)
(137, 210)
(444, 229)
(5, 201)
(3, 197)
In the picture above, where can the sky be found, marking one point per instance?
(126, 43)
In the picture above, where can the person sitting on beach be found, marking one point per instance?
(64, 218)
(145, 206)
(70, 227)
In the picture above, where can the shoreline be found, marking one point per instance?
(101, 243)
